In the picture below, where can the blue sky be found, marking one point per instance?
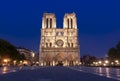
(98, 22)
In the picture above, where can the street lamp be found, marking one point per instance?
(33, 55)
(116, 61)
(100, 62)
(96, 63)
(112, 63)
(5, 61)
(106, 61)
(14, 62)
(104, 64)
(21, 62)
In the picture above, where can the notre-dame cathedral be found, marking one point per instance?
(59, 46)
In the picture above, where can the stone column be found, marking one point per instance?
(69, 23)
(43, 23)
(64, 22)
(75, 23)
(54, 22)
(48, 22)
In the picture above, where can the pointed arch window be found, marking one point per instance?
(46, 44)
(68, 44)
(50, 22)
(50, 44)
(68, 23)
(71, 44)
(71, 23)
(47, 23)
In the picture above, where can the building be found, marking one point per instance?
(59, 46)
(29, 55)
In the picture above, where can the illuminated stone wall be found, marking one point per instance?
(59, 46)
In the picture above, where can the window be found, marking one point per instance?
(68, 44)
(46, 44)
(50, 44)
(71, 44)
(57, 33)
(47, 23)
(68, 23)
(50, 23)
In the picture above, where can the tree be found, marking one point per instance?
(114, 53)
(22, 57)
(7, 50)
(118, 46)
(88, 59)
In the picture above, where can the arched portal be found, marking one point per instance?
(59, 59)
(47, 59)
(71, 59)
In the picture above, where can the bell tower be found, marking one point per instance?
(70, 21)
(48, 21)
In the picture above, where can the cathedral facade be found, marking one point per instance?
(59, 46)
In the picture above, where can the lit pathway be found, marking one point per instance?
(52, 74)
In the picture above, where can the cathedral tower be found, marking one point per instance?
(70, 21)
(48, 21)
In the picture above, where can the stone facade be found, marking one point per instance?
(59, 46)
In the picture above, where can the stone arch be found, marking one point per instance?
(47, 59)
(71, 59)
(59, 59)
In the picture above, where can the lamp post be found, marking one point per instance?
(14, 62)
(33, 56)
(5, 61)
(100, 63)
(117, 62)
(106, 63)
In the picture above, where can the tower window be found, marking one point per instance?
(71, 23)
(50, 22)
(68, 23)
(47, 23)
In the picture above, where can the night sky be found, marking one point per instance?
(98, 22)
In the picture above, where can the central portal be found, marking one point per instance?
(59, 58)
